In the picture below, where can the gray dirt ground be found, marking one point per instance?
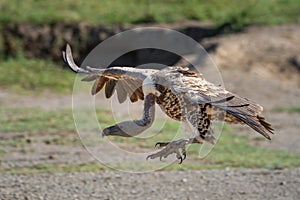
(254, 64)
(223, 184)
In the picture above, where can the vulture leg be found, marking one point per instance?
(197, 120)
(135, 127)
(174, 147)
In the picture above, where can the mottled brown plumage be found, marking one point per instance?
(195, 90)
(182, 94)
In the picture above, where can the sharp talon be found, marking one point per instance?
(148, 157)
(180, 160)
(179, 157)
(184, 153)
(161, 144)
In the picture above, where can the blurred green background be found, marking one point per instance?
(238, 13)
(32, 76)
(14, 59)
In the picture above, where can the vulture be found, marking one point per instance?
(181, 93)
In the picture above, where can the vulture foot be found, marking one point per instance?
(170, 148)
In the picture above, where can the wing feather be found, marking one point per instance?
(130, 79)
(139, 93)
(110, 88)
(98, 84)
(121, 91)
(133, 97)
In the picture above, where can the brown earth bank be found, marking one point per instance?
(47, 40)
(267, 51)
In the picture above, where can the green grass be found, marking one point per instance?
(2, 152)
(14, 142)
(235, 151)
(32, 121)
(34, 75)
(236, 12)
(232, 150)
(291, 109)
(35, 121)
(62, 140)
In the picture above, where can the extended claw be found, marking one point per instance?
(170, 148)
(179, 157)
(161, 144)
(184, 153)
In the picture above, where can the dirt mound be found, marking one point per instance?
(269, 52)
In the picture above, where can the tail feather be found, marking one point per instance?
(249, 113)
(255, 122)
(265, 124)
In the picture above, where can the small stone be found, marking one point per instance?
(133, 191)
(282, 183)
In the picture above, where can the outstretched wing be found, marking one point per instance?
(126, 81)
(196, 89)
